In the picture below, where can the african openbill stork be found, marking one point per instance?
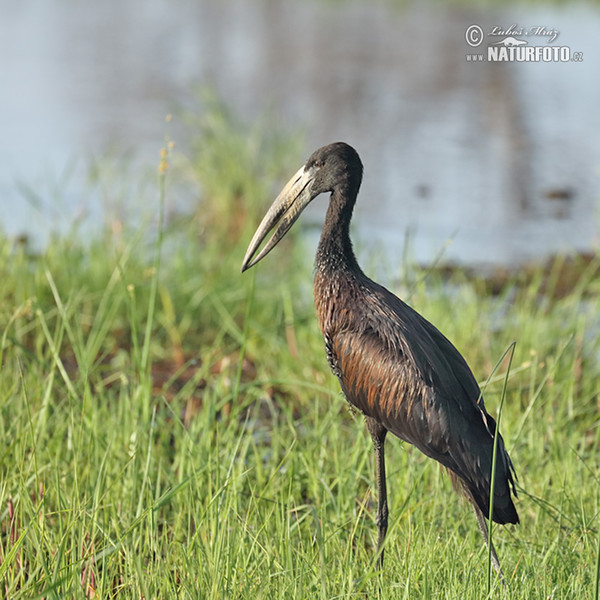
(392, 364)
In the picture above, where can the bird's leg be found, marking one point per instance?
(378, 433)
(486, 538)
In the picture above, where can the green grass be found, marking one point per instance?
(171, 428)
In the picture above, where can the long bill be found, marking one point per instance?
(283, 213)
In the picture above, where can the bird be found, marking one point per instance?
(393, 365)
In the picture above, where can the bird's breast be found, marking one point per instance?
(374, 372)
(332, 298)
(344, 325)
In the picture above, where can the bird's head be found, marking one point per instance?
(336, 166)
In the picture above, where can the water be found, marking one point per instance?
(496, 163)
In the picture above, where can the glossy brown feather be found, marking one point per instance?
(397, 368)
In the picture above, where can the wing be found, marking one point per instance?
(396, 367)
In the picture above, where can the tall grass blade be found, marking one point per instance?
(510, 351)
(597, 581)
(162, 178)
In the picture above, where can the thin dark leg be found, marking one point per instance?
(378, 433)
(485, 533)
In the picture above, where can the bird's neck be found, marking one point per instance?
(336, 269)
(335, 253)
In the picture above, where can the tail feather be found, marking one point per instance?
(504, 510)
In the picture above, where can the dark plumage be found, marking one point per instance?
(393, 365)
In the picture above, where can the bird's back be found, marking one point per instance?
(396, 367)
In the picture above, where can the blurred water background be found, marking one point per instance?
(491, 163)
